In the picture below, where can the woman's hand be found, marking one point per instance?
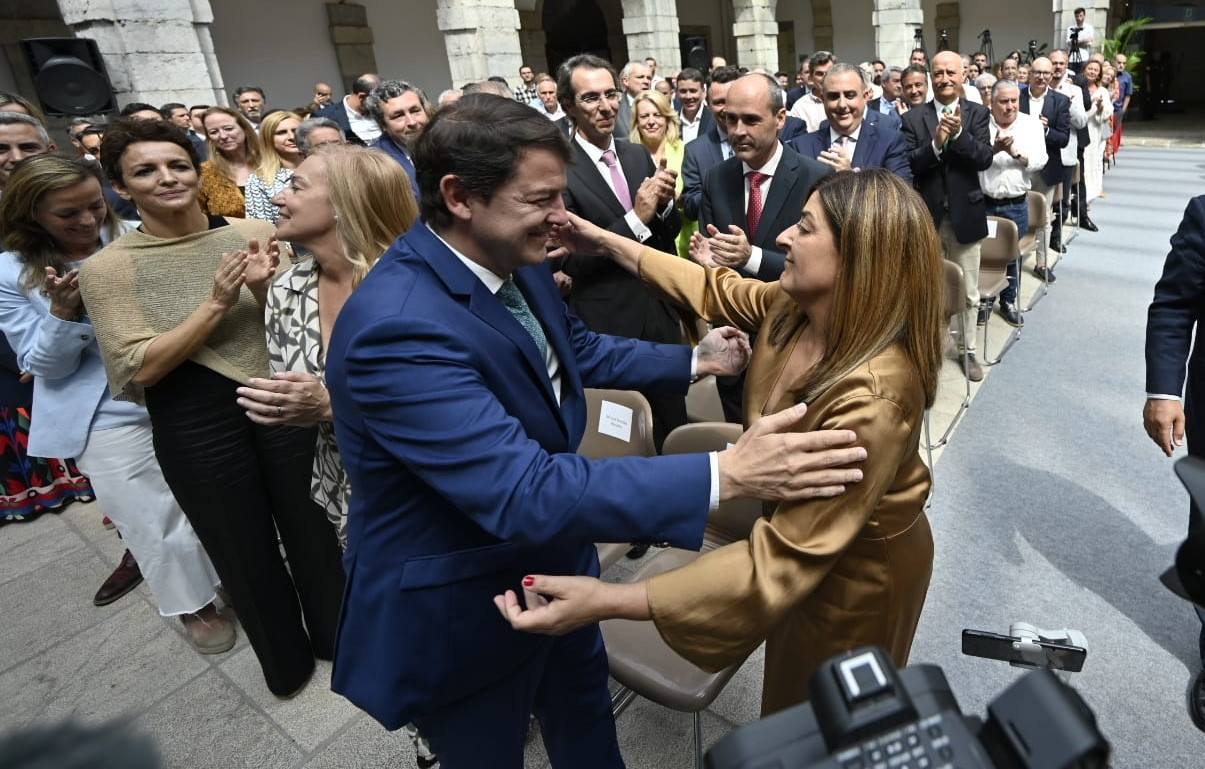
(63, 292)
(725, 351)
(229, 279)
(288, 398)
(700, 250)
(577, 236)
(261, 267)
(575, 602)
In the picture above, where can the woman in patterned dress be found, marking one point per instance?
(278, 142)
(345, 205)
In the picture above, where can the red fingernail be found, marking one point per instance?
(529, 581)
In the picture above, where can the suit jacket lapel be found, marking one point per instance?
(864, 146)
(634, 169)
(929, 115)
(590, 175)
(785, 178)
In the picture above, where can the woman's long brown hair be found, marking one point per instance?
(889, 282)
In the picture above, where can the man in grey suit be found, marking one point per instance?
(636, 78)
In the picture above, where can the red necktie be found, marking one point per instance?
(753, 215)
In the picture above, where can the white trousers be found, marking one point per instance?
(121, 464)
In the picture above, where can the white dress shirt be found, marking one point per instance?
(364, 127)
(810, 110)
(1079, 119)
(560, 113)
(834, 140)
(638, 228)
(1087, 35)
(552, 364)
(971, 93)
(1008, 177)
(690, 128)
(769, 169)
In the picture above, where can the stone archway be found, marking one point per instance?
(572, 27)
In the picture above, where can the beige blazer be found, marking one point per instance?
(818, 577)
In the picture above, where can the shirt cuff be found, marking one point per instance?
(694, 364)
(667, 210)
(754, 264)
(713, 499)
(936, 149)
(1161, 397)
(638, 228)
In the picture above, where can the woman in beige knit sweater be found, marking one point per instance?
(177, 306)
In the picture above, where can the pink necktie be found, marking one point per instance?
(617, 181)
(753, 215)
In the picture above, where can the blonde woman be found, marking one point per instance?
(655, 124)
(234, 154)
(278, 145)
(853, 330)
(1100, 111)
(345, 205)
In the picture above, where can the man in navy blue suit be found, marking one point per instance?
(456, 376)
(846, 140)
(402, 112)
(1172, 331)
(351, 113)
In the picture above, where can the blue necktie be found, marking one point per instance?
(512, 298)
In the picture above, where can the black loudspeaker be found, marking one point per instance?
(69, 75)
(694, 54)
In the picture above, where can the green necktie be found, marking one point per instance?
(512, 298)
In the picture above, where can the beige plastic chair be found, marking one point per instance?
(955, 303)
(1036, 241)
(640, 660)
(703, 401)
(996, 253)
(597, 444)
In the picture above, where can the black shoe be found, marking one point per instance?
(1196, 701)
(124, 578)
(1056, 243)
(1045, 273)
(1088, 224)
(637, 551)
(985, 310)
(1010, 313)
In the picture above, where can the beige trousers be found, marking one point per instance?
(965, 256)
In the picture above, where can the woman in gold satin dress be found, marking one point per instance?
(852, 330)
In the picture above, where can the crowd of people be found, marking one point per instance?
(324, 366)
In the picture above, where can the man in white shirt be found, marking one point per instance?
(1061, 83)
(546, 93)
(1020, 151)
(810, 107)
(635, 79)
(1080, 38)
(694, 113)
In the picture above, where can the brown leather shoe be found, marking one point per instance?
(124, 578)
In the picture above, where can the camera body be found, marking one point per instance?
(867, 714)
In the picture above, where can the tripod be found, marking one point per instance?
(985, 46)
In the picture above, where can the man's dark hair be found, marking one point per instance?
(690, 73)
(499, 79)
(365, 83)
(125, 132)
(879, 61)
(564, 76)
(196, 107)
(919, 50)
(1080, 10)
(820, 58)
(479, 139)
(167, 109)
(914, 69)
(136, 106)
(780, 73)
(242, 89)
(725, 74)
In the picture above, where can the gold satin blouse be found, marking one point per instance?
(821, 576)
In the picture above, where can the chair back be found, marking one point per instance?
(1039, 216)
(619, 423)
(955, 298)
(996, 252)
(734, 519)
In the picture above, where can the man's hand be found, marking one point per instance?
(725, 351)
(654, 193)
(1045, 122)
(901, 106)
(949, 126)
(836, 159)
(564, 283)
(700, 250)
(1163, 419)
(729, 249)
(771, 463)
(1004, 143)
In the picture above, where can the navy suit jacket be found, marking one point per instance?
(1172, 326)
(1056, 108)
(387, 145)
(791, 128)
(701, 156)
(891, 121)
(950, 183)
(724, 203)
(876, 147)
(464, 473)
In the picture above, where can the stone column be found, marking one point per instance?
(651, 29)
(822, 26)
(895, 23)
(756, 33)
(155, 51)
(481, 37)
(1096, 14)
(352, 38)
(532, 40)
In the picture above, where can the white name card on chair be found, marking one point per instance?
(992, 226)
(615, 420)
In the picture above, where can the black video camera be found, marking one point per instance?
(866, 714)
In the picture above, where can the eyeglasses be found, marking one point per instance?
(593, 99)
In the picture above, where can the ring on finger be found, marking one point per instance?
(279, 411)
